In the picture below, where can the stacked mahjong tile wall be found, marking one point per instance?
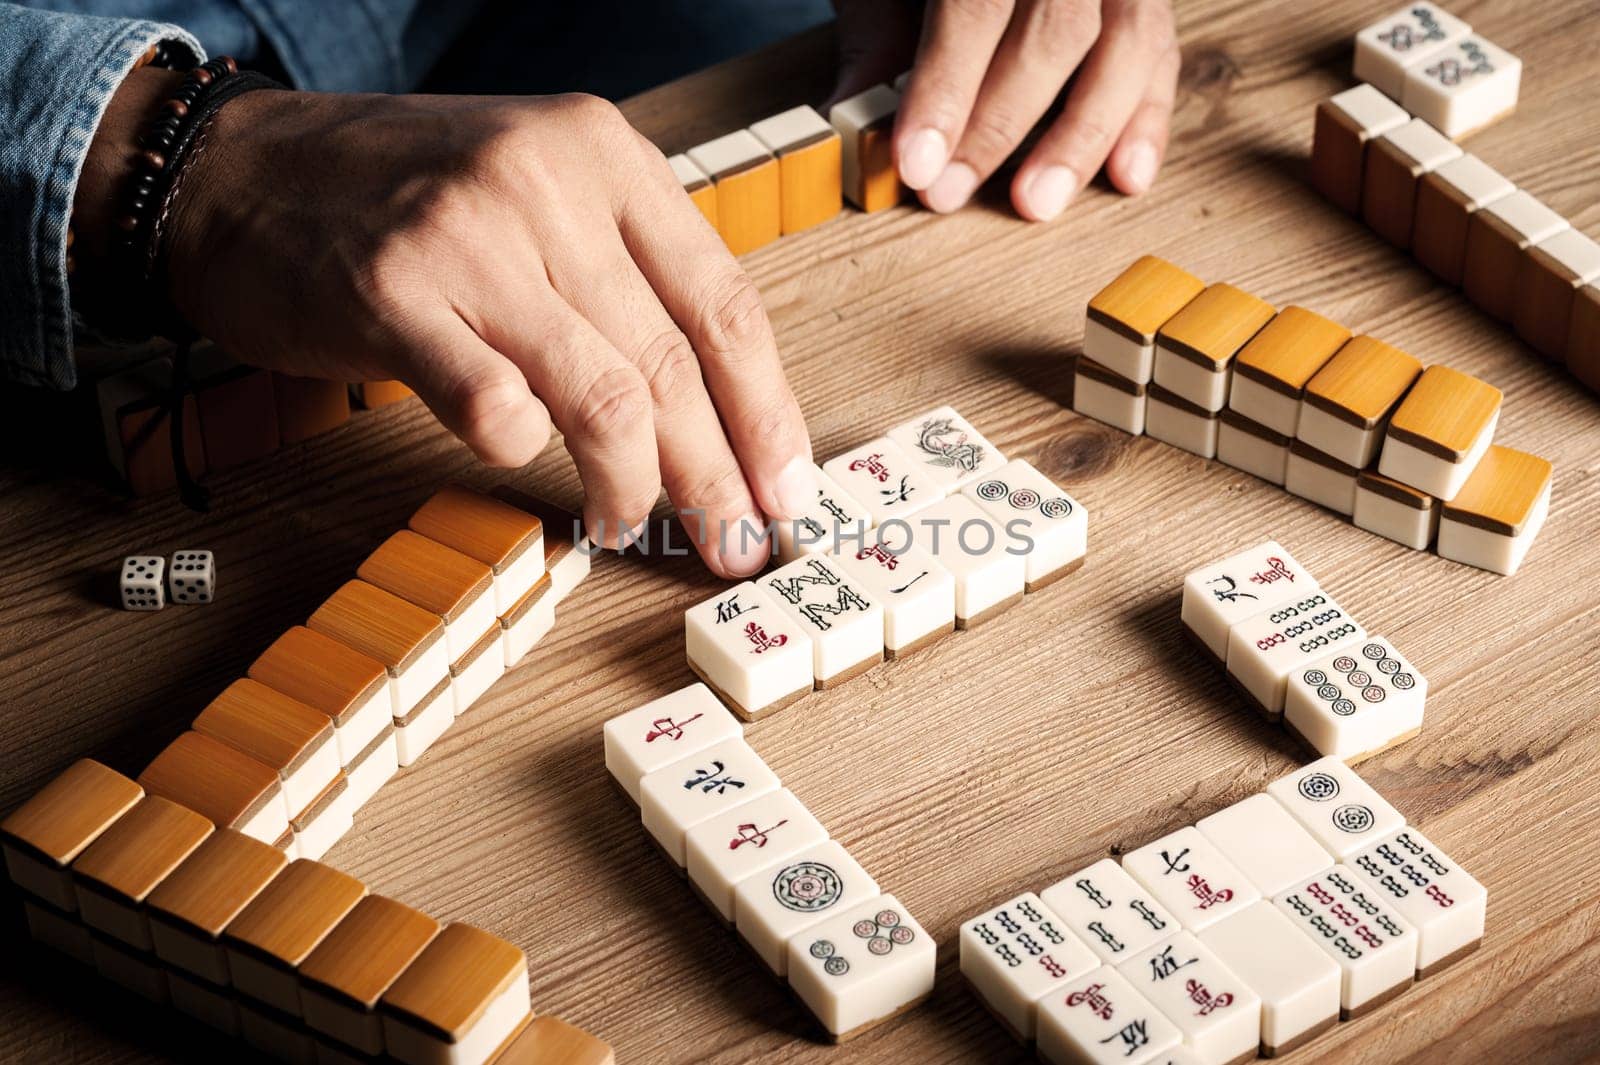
(765, 865)
(914, 534)
(1254, 930)
(1348, 422)
(1298, 657)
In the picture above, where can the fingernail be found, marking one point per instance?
(795, 489)
(953, 189)
(1048, 192)
(745, 549)
(1140, 167)
(924, 159)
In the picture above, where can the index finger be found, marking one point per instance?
(959, 38)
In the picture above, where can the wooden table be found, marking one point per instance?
(1078, 724)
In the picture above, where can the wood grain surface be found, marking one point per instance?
(1077, 725)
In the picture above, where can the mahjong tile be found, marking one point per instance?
(1495, 517)
(862, 966)
(1375, 949)
(1108, 397)
(842, 620)
(1109, 911)
(948, 450)
(1119, 332)
(1336, 806)
(748, 650)
(917, 593)
(1348, 402)
(834, 518)
(1218, 596)
(1389, 47)
(1015, 954)
(1217, 1012)
(1265, 649)
(724, 849)
(786, 898)
(1357, 701)
(663, 731)
(884, 479)
(989, 566)
(1430, 891)
(1345, 125)
(1190, 877)
(1265, 841)
(1099, 1019)
(676, 797)
(1463, 87)
(1020, 500)
(1440, 431)
(1298, 983)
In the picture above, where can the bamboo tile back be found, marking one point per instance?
(1445, 411)
(478, 525)
(368, 950)
(439, 579)
(1501, 491)
(548, 1041)
(1144, 297)
(1363, 381)
(293, 914)
(1215, 324)
(454, 979)
(209, 777)
(319, 671)
(142, 848)
(377, 624)
(217, 881)
(67, 814)
(1290, 349)
(269, 726)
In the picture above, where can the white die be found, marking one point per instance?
(193, 576)
(142, 586)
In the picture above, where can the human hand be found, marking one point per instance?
(985, 73)
(519, 262)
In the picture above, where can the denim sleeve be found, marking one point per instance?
(57, 74)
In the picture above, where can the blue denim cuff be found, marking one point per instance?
(57, 74)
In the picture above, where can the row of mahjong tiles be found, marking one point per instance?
(1348, 422)
(915, 533)
(1253, 930)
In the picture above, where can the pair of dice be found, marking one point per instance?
(193, 578)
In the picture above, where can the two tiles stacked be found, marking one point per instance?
(332, 709)
(1432, 64)
(1252, 931)
(1514, 257)
(765, 865)
(1301, 658)
(1351, 423)
(293, 956)
(914, 534)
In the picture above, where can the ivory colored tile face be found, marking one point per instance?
(1098, 1019)
(440, 580)
(749, 195)
(190, 908)
(1297, 982)
(1336, 806)
(749, 651)
(1390, 47)
(1217, 1012)
(566, 549)
(463, 996)
(343, 979)
(1375, 949)
(1119, 332)
(809, 175)
(285, 734)
(281, 926)
(1106, 397)
(1320, 478)
(1195, 348)
(664, 731)
(1348, 401)
(862, 966)
(1344, 125)
(529, 620)
(118, 871)
(947, 449)
(843, 621)
(324, 822)
(1253, 448)
(1016, 954)
(41, 837)
(1173, 420)
(1356, 702)
(786, 899)
(1020, 499)
(918, 594)
(1396, 163)
(882, 478)
(1271, 372)
(1266, 843)
(1395, 510)
(1190, 877)
(406, 640)
(422, 727)
(475, 672)
(373, 768)
(220, 783)
(1430, 892)
(1265, 649)
(1109, 911)
(1220, 595)
(865, 123)
(1440, 431)
(1546, 288)
(1496, 239)
(990, 567)
(503, 537)
(1464, 87)
(1493, 520)
(835, 518)
(1447, 199)
(348, 686)
(676, 797)
(724, 849)
(697, 185)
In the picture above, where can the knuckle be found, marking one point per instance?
(1150, 22)
(595, 114)
(669, 365)
(735, 318)
(995, 130)
(613, 401)
(772, 422)
(1060, 29)
(720, 492)
(491, 411)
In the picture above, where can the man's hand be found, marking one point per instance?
(519, 263)
(986, 72)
